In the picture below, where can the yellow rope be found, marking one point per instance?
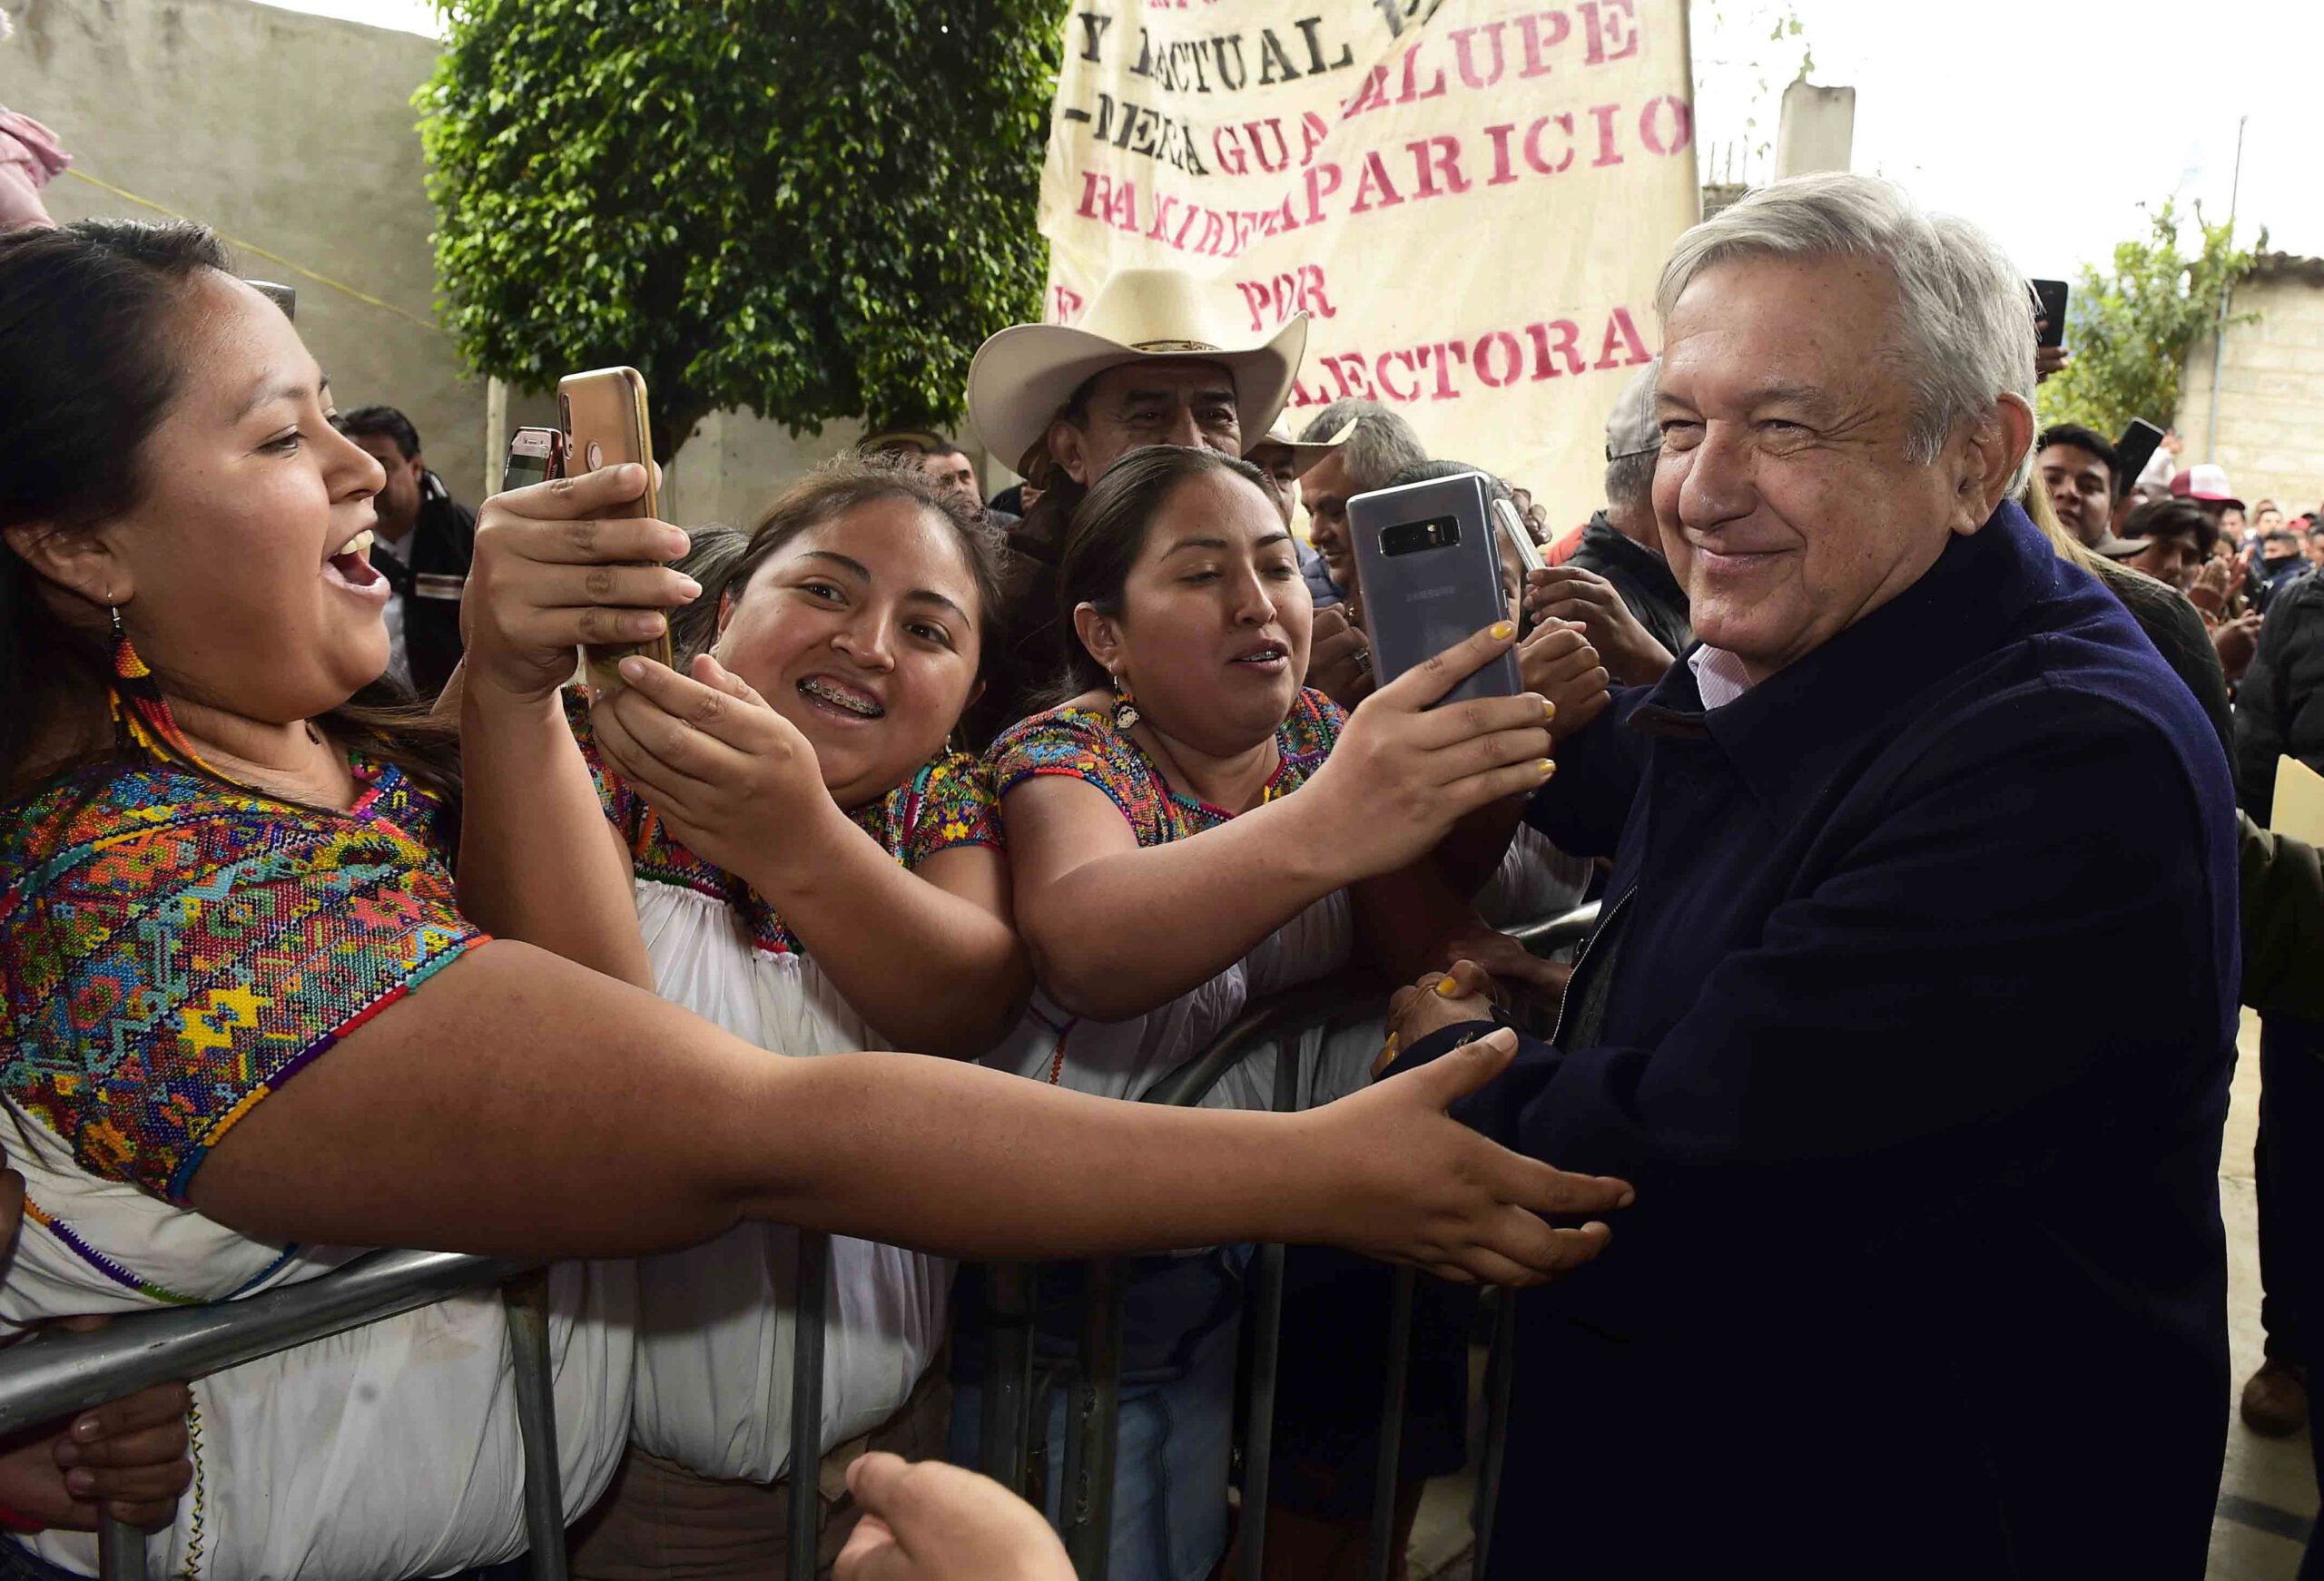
(250, 247)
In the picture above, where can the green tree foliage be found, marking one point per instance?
(815, 209)
(2130, 331)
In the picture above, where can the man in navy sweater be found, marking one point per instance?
(1911, 1017)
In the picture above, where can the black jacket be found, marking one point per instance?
(1027, 673)
(2279, 707)
(1921, 1174)
(428, 569)
(1642, 578)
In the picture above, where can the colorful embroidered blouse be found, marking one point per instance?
(948, 804)
(174, 950)
(1082, 743)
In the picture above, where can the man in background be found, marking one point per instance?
(425, 540)
(1616, 582)
(1152, 362)
(2079, 470)
(1380, 446)
(943, 463)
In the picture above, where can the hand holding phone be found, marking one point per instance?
(537, 589)
(1407, 770)
(606, 426)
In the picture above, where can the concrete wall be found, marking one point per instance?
(2270, 434)
(296, 133)
(293, 133)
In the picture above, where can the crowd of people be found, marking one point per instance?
(334, 914)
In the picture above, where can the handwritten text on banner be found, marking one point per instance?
(1471, 198)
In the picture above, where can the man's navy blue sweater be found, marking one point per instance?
(1912, 1023)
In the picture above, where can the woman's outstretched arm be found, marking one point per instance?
(519, 1105)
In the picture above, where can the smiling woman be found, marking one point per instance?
(1191, 774)
(249, 1026)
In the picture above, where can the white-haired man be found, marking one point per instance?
(1925, 1275)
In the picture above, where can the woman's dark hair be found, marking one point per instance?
(1108, 533)
(1430, 471)
(2173, 518)
(710, 562)
(87, 372)
(851, 479)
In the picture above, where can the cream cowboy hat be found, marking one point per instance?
(1023, 376)
(1303, 455)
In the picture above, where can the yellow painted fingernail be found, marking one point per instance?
(1447, 988)
(1548, 767)
(1390, 1050)
(1549, 708)
(1502, 630)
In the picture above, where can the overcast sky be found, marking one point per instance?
(2048, 122)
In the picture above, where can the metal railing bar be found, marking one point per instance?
(63, 1373)
(1093, 1425)
(121, 1551)
(527, 1300)
(1379, 1556)
(806, 1524)
(1004, 1431)
(1266, 1337)
(1501, 1377)
(1345, 996)
(1551, 934)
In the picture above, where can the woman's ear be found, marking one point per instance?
(1099, 635)
(77, 560)
(725, 608)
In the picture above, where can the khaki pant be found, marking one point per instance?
(660, 1522)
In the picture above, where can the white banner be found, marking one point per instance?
(1471, 198)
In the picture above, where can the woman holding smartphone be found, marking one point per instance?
(1193, 829)
(255, 1027)
(797, 856)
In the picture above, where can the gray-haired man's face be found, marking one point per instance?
(1785, 495)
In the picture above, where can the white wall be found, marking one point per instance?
(291, 132)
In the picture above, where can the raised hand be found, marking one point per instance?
(1404, 773)
(727, 774)
(1559, 662)
(2236, 641)
(1339, 658)
(559, 564)
(1576, 594)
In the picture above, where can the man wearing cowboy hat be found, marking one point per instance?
(1150, 363)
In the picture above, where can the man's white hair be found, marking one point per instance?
(1965, 311)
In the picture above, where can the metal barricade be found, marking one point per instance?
(1292, 1025)
(60, 1374)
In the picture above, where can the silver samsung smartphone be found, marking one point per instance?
(1431, 576)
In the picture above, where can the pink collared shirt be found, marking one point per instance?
(1719, 676)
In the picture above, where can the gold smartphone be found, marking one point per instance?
(603, 413)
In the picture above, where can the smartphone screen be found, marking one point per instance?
(523, 471)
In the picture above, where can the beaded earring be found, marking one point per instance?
(1125, 706)
(140, 714)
